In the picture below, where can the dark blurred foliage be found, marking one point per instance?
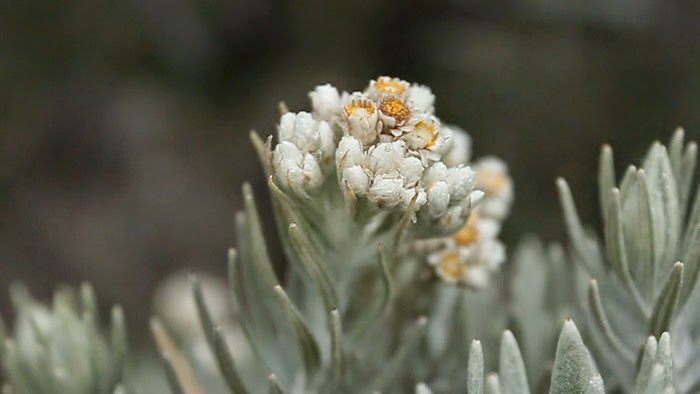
(124, 124)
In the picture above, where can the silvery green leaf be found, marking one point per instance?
(606, 178)
(337, 356)
(511, 367)
(579, 239)
(273, 385)
(493, 384)
(216, 342)
(314, 267)
(665, 208)
(596, 306)
(263, 150)
(422, 388)
(475, 369)
(665, 358)
(665, 307)
(391, 369)
(646, 365)
(307, 344)
(572, 370)
(597, 385)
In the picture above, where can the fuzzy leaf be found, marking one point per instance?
(646, 365)
(314, 267)
(422, 388)
(666, 303)
(216, 342)
(273, 385)
(337, 357)
(606, 178)
(572, 371)
(596, 306)
(398, 360)
(493, 384)
(511, 367)
(475, 369)
(579, 239)
(307, 344)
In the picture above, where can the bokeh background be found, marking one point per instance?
(124, 124)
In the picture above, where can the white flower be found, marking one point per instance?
(492, 177)
(395, 114)
(349, 152)
(308, 134)
(424, 134)
(356, 179)
(386, 191)
(361, 118)
(325, 102)
(294, 169)
(438, 198)
(461, 182)
(383, 86)
(422, 98)
(457, 148)
(386, 157)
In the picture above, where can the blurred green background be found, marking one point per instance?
(124, 124)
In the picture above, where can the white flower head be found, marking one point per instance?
(308, 134)
(493, 179)
(386, 191)
(326, 102)
(361, 118)
(295, 169)
(384, 86)
(349, 153)
(396, 115)
(422, 98)
(356, 180)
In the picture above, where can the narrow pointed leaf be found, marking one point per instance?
(572, 371)
(645, 236)
(391, 370)
(664, 357)
(263, 151)
(597, 386)
(313, 265)
(685, 179)
(601, 319)
(578, 236)
(493, 384)
(656, 380)
(217, 342)
(118, 340)
(257, 239)
(422, 388)
(307, 344)
(337, 364)
(511, 367)
(665, 307)
(179, 372)
(691, 263)
(274, 385)
(616, 249)
(89, 301)
(646, 365)
(606, 178)
(475, 369)
(675, 150)
(627, 180)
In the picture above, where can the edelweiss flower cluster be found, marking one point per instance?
(392, 150)
(474, 252)
(388, 151)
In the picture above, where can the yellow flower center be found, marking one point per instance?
(427, 129)
(451, 266)
(358, 105)
(395, 108)
(468, 234)
(391, 85)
